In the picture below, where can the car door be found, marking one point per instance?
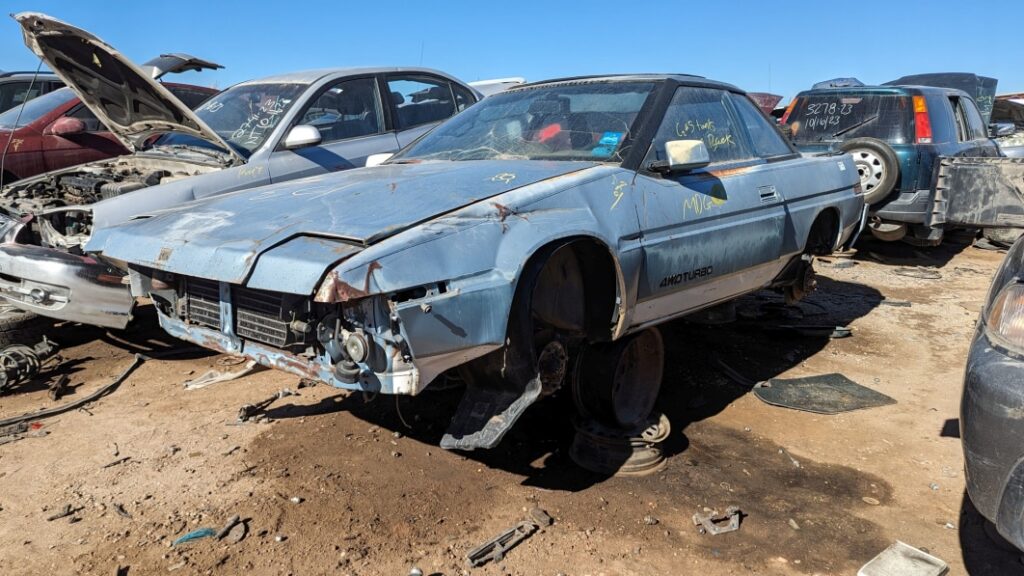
(95, 143)
(715, 232)
(418, 102)
(349, 115)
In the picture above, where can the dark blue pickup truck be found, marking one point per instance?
(896, 134)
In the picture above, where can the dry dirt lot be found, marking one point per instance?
(820, 494)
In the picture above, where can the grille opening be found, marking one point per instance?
(203, 302)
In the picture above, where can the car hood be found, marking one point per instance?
(128, 101)
(221, 238)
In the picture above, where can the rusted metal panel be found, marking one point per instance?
(981, 192)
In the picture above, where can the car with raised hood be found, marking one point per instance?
(57, 130)
(554, 221)
(897, 134)
(257, 132)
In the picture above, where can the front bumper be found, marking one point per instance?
(992, 435)
(64, 286)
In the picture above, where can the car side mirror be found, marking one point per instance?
(1000, 129)
(301, 136)
(65, 126)
(378, 159)
(683, 156)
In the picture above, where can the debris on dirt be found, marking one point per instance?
(793, 524)
(895, 303)
(814, 330)
(231, 450)
(415, 572)
(306, 383)
(651, 521)
(540, 517)
(496, 548)
(231, 360)
(280, 538)
(195, 535)
(296, 500)
(228, 526)
(66, 511)
(785, 453)
(605, 450)
(905, 560)
(245, 413)
(20, 363)
(119, 508)
(237, 533)
(919, 272)
(825, 394)
(58, 387)
(116, 462)
(870, 501)
(214, 376)
(14, 429)
(714, 523)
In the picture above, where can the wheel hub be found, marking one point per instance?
(869, 167)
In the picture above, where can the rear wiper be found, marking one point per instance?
(855, 126)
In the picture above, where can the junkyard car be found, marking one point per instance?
(57, 130)
(993, 396)
(896, 135)
(548, 219)
(257, 132)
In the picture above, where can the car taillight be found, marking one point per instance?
(789, 110)
(922, 124)
(1006, 316)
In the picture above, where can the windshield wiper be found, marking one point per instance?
(855, 126)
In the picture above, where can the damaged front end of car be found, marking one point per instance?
(343, 335)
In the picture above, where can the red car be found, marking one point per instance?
(56, 130)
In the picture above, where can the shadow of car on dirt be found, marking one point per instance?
(984, 551)
(694, 387)
(901, 254)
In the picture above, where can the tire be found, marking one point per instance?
(877, 165)
(20, 327)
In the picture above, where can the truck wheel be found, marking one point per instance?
(20, 327)
(877, 166)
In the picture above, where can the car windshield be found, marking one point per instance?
(244, 116)
(836, 116)
(582, 121)
(35, 108)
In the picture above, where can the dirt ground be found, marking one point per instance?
(339, 483)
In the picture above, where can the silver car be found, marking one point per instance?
(555, 221)
(258, 132)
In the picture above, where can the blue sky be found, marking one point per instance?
(780, 46)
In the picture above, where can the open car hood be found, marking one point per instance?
(128, 101)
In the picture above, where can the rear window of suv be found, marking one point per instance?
(840, 116)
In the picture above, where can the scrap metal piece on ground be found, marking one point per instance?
(58, 387)
(250, 410)
(614, 452)
(815, 330)
(216, 376)
(904, 560)
(896, 303)
(714, 523)
(20, 363)
(64, 512)
(228, 526)
(918, 272)
(496, 548)
(825, 394)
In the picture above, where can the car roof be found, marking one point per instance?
(888, 89)
(19, 74)
(311, 76)
(685, 79)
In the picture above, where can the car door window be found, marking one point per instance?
(420, 100)
(766, 140)
(962, 131)
(463, 98)
(92, 123)
(975, 125)
(347, 109)
(705, 114)
(14, 93)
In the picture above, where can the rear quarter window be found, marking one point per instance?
(838, 117)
